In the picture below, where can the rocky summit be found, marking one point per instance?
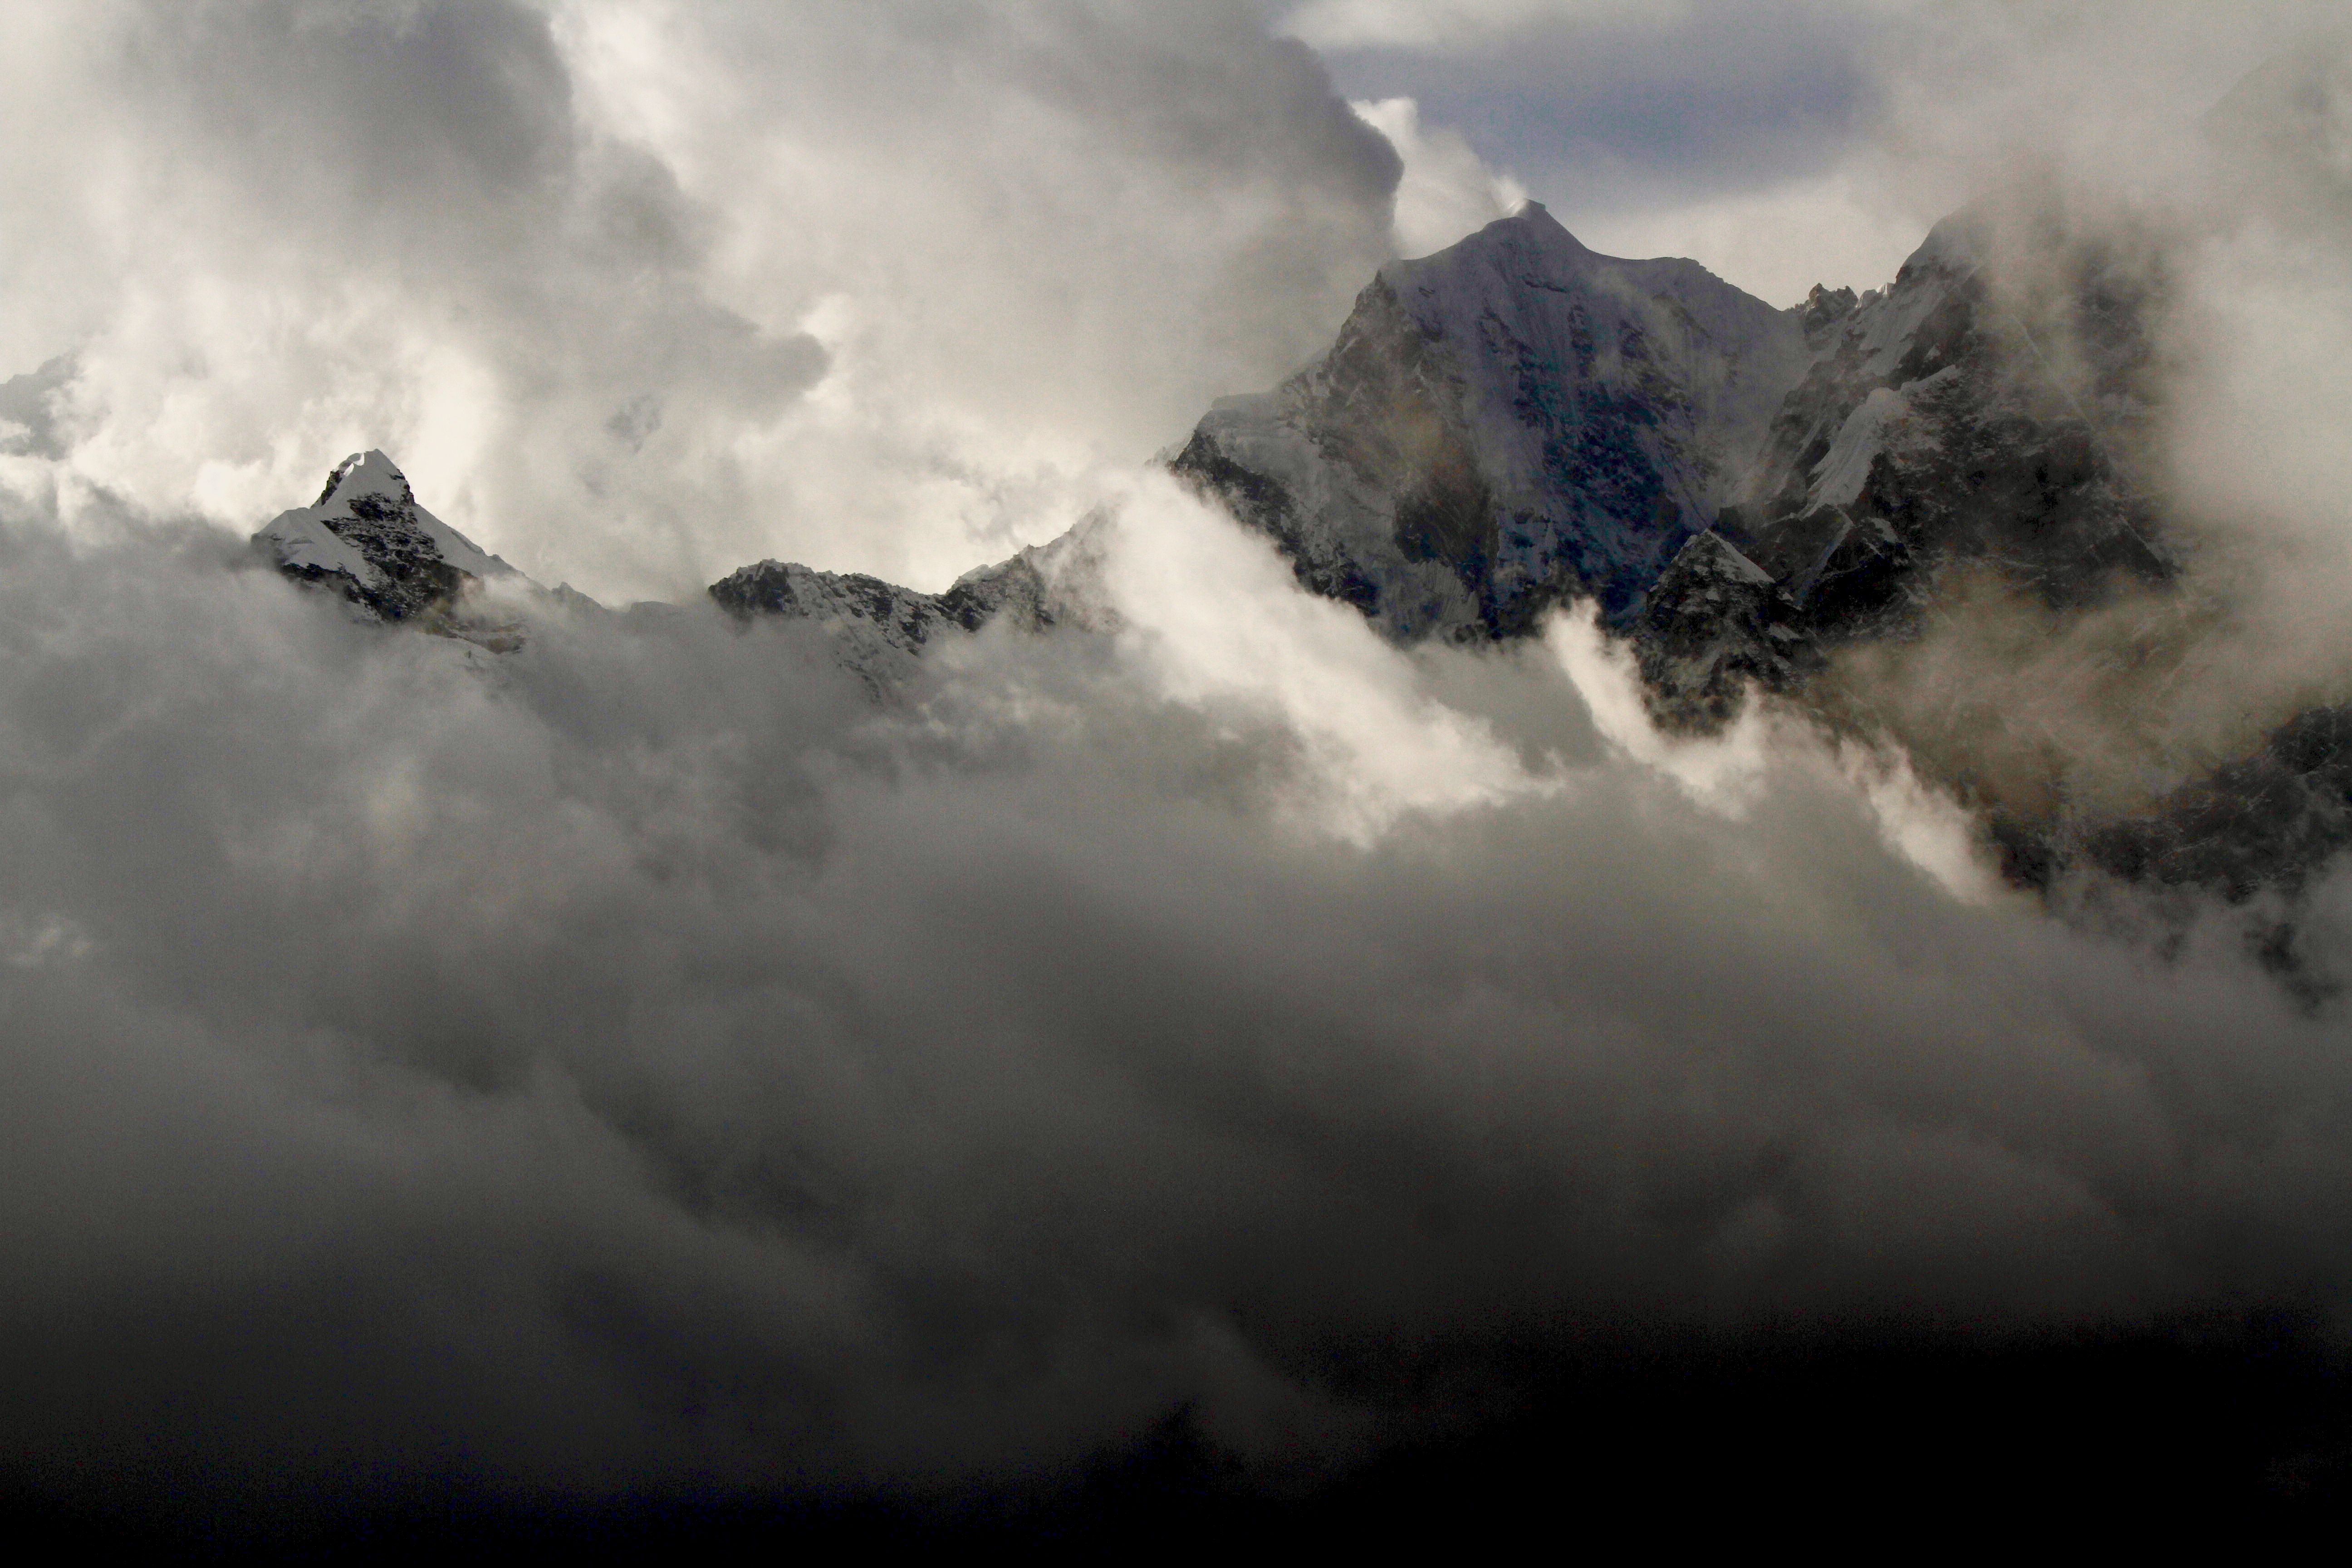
(1952, 421)
(1519, 422)
(1507, 424)
(366, 539)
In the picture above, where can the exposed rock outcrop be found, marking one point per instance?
(1714, 623)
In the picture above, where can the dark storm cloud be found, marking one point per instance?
(1642, 106)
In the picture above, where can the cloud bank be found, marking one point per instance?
(640, 1063)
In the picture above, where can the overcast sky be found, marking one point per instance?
(1782, 142)
(641, 1059)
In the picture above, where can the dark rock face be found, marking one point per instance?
(411, 579)
(1823, 309)
(1715, 623)
(2267, 820)
(900, 617)
(1962, 415)
(1986, 412)
(1503, 426)
(2259, 827)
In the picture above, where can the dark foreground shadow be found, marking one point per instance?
(1896, 1447)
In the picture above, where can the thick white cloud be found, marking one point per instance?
(1446, 191)
(643, 292)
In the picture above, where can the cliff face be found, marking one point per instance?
(1989, 406)
(1986, 415)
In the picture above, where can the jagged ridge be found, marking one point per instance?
(880, 628)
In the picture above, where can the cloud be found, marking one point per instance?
(27, 404)
(1465, 26)
(1446, 191)
(1797, 142)
(639, 1063)
(1610, 110)
(1777, 241)
(651, 292)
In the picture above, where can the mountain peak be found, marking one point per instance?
(368, 473)
(1532, 223)
(368, 539)
(1513, 421)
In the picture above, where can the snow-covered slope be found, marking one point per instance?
(1504, 424)
(392, 560)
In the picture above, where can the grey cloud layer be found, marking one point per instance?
(645, 1063)
(1629, 104)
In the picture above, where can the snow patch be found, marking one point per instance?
(1838, 477)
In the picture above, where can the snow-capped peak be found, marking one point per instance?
(367, 535)
(368, 473)
(1509, 423)
(368, 488)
